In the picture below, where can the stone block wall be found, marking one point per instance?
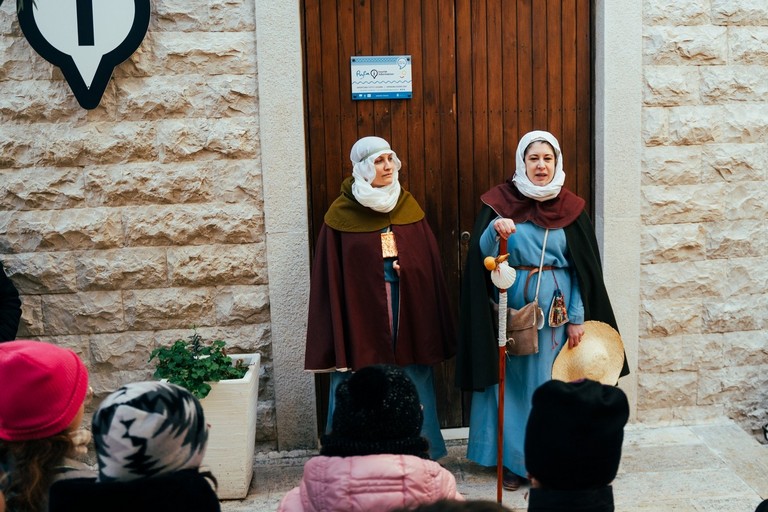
(703, 350)
(125, 225)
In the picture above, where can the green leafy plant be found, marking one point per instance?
(194, 363)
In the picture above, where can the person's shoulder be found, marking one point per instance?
(187, 490)
(71, 469)
(387, 462)
(291, 502)
(428, 477)
(502, 192)
(411, 463)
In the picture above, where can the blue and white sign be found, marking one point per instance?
(85, 38)
(386, 77)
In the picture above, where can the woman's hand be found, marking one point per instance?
(396, 266)
(575, 332)
(504, 227)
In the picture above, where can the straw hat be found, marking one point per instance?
(599, 356)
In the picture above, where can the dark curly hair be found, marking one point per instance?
(27, 469)
(377, 411)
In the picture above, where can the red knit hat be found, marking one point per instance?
(42, 387)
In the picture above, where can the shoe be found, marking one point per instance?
(510, 481)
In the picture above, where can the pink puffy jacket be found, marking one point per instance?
(369, 483)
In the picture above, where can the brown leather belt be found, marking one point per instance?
(531, 272)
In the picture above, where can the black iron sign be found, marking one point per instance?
(85, 38)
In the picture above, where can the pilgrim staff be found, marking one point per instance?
(503, 276)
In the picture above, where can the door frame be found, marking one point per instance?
(618, 150)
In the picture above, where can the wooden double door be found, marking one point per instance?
(484, 73)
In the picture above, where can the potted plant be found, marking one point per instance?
(227, 386)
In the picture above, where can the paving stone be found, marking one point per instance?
(708, 467)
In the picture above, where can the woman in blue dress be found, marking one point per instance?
(522, 210)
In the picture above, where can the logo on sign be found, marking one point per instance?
(86, 39)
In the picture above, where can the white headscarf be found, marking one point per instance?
(523, 184)
(363, 154)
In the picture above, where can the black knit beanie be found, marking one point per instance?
(574, 434)
(377, 411)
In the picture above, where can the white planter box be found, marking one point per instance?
(230, 410)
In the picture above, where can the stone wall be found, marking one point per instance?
(704, 309)
(125, 225)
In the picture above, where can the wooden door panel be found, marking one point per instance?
(484, 73)
(422, 130)
(581, 142)
(533, 72)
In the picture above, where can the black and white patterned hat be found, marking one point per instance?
(148, 428)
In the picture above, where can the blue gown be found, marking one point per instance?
(523, 373)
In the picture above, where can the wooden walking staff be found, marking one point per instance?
(503, 276)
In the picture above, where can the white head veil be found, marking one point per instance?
(523, 184)
(363, 154)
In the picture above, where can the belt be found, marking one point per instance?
(531, 272)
